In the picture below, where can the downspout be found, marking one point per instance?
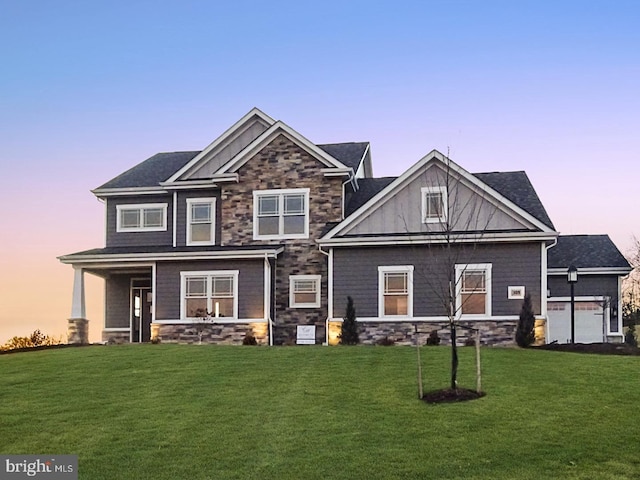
(329, 291)
(267, 297)
(545, 285)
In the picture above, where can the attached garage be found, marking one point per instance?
(591, 321)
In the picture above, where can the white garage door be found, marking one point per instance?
(589, 322)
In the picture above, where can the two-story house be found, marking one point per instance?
(265, 233)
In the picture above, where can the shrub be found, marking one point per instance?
(386, 342)
(249, 339)
(630, 336)
(36, 339)
(433, 338)
(349, 329)
(525, 335)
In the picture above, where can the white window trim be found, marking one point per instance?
(423, 196)
(280, 193)
(211, 201)
(460, 269)
(292, 280)
(141, 207)
(408, 269)
(208, 274)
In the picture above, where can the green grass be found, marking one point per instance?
(200, 411)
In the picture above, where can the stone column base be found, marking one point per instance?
(78, 331)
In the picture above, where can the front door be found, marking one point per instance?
(140, 313)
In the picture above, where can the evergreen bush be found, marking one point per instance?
(525, 335)
(349, 329)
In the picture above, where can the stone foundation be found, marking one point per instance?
(78, 331)
(218, 333)
(116, 338)
(404, 333)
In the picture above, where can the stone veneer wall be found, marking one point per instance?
(283, 165)
(116, 337)
(403, 333)
(78, 331)
(219, 333)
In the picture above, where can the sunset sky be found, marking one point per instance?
(89, 89)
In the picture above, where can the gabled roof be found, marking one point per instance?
(254, 116)
(586, 252)
(516, 187)
(152, 171)
(350, 154)
(520, 199)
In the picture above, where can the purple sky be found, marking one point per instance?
(90, 89)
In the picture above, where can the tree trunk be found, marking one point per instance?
(454, 358)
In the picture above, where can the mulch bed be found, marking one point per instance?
(449, 395)
(593, 348)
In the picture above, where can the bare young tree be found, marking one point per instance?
(455, 216)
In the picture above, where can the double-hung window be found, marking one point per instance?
(201, 221)
(304, 291)
(211, 293)
(281, 214)
(434, 204)
(473, 289)
(148, 217)
(395, 291)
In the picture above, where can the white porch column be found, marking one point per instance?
(77, 303)
(77, 328)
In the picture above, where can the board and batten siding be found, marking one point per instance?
(355, 274)
(138, 239)
(117, 301)
(587, 285)
(402, 212)
(250, 286)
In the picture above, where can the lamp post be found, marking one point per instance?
(572, 279)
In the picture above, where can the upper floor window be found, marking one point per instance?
(304, 291)
(395, 291)
(281, 214)
(148, 217)
(434, 204)
(473, 292)
(201, 221)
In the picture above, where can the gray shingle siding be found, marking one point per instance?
(250, 286)
(588, 285)
(181, 214)
(125, 239)
(117, 295)
(356, 275)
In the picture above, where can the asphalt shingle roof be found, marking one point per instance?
(586, 251)
(151, 171)
(348, 153)
(516, 187)
(368, 187)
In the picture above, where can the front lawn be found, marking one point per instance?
(201, 411)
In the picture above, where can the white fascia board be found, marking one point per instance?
(213, 181)
(338, 172)
(279, 128)
(433, 157)
(592, 271)
(135, 257)
(114, 192)
(228, 133)
(487, 237)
